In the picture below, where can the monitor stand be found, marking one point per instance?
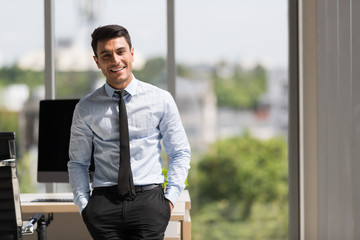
(50, 187)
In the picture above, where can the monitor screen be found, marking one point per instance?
(55, 117)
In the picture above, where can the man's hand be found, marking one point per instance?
(171, 206)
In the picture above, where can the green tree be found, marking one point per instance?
(242, 89)
(243, 170)
(75, 84)
(9, 123)
(16, 75)
(153, 71)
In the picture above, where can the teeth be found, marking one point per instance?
(117, 69)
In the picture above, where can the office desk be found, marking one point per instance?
(27, 206)
(179, 226)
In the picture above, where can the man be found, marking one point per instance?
(142, 210)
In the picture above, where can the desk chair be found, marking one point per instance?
(11, 224)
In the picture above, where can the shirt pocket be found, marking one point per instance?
(141, 125)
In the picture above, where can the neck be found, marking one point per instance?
(119, 85)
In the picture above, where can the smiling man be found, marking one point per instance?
(121, 126)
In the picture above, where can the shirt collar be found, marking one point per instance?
(131, 88)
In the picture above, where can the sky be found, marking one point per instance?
(207, 31)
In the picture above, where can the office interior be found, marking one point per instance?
(323, 115)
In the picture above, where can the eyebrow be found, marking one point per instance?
(106, 51)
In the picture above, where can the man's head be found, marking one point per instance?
(113, 54)
(107, 32)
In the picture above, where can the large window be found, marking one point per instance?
(231, 90)
(22, 80)
(76, 72)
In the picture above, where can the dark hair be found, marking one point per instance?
(107, 32)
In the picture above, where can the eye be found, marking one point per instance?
(105, 56)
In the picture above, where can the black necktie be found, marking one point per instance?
(125, 179)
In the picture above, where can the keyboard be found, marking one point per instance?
(52, 200)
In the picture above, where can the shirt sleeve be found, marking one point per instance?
(177, 146)
(80, 158)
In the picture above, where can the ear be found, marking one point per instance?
(132, 55)
(96, 61)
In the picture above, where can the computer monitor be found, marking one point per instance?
(55, 118)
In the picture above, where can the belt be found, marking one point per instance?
(143, 188)
(113, 189)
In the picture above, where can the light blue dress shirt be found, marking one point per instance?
(152, 116)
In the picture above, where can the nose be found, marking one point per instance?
(115, 58)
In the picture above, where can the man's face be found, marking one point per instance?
(114, 58)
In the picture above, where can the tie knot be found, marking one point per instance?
(119, 93)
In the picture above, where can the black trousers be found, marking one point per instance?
(146, 217)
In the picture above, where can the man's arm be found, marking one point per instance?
(177, 146)
(80, 158)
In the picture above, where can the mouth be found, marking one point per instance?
(117, 70)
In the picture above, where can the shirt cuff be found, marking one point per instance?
(172, 194)
(81, 203)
